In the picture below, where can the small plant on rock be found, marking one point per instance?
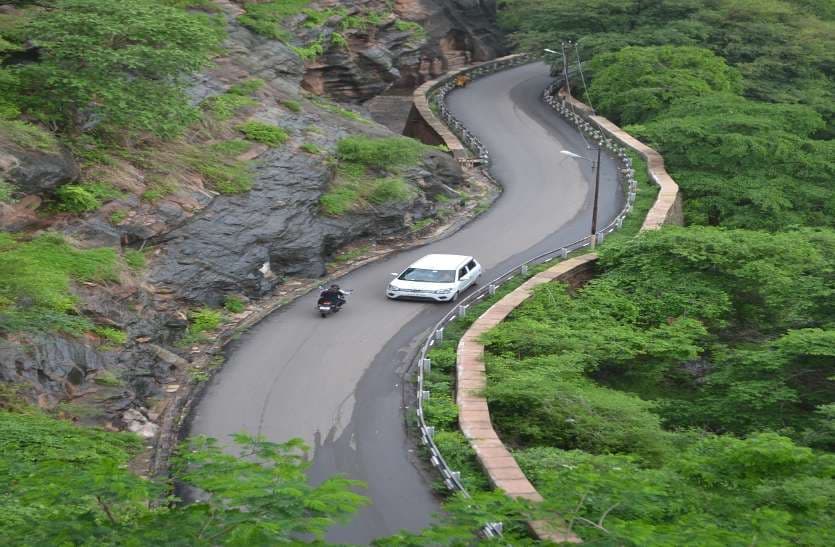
(265, 133)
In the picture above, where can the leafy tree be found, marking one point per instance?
(68, 485)
(636, 83)
(116, 63)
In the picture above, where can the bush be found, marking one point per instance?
(75, 198)
(233, 304)
(204, 319)
(380, 153)
(291, 105)
(311, 148)
(264, 133)
(391, 191)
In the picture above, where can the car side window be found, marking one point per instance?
(462, 272)
(471, 265)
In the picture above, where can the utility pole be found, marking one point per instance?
(596, 192)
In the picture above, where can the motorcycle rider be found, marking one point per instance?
(333, 294)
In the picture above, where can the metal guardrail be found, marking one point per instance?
(451, 478)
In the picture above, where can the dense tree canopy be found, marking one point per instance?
(117, 63)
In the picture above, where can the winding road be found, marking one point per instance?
(338, 383)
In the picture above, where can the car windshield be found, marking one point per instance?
(428, 276)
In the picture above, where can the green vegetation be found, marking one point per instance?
(35, 279)
(7, 190)
(346, 113)
(134, 79)
(684, 396)
(205, 319)
(81, 198)
(368, 173)
(233, 304)
(135, 259)
(246, 88)
(264, 133)
(268, 18)
(82, 476)
(112, 335)
(311, 148)
(158, 190)
(226, 106)
(415, 29)
(351, 254)
(291, 105)
(118, 216)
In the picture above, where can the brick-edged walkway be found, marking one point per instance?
(473, 414)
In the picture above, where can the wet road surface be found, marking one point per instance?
(337, 382)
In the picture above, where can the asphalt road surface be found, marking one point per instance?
(338, 382)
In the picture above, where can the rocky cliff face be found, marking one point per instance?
(395, 54)
(201, 246)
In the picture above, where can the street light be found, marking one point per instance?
(595, 165)
(551, 51)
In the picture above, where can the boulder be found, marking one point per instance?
(35, 171)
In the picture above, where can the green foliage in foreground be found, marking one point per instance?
(380, 153)
(64, 485)
(268, 18)
(122, 60)
(762, 490)
(672, 396)
(35, 279)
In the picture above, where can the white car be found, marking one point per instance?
(435, 277)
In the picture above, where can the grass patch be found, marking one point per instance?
(205, 319)
(27, 135)
(351, 254)
(246, 88)
(419, 225)
(415, 29)
(339, 200)
(334, 108)
(112, 335)
(268, 18)
(291, 105)
(265, 133)
(158, 190)
(380, 153)
(35, 278)
(230, 148)
(227, 106)
(311, 148)
(117, 216)
(392, 190)
(233, 304)
(135, 259)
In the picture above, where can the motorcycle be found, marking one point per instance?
(326, 306)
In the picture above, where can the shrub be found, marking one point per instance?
(233, 304)
(311, 148)
(339, 41)
(205, 319)
(76, 198)
(391, 191)
(264, 133)
(291, 105)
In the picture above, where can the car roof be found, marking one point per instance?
(441, 262)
